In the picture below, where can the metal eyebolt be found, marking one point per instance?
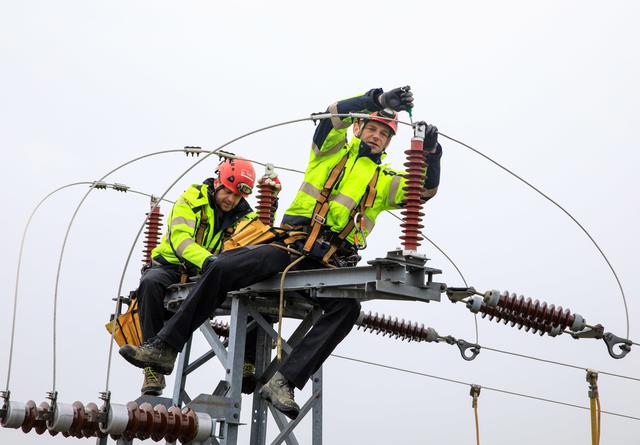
(465, 346)
(612, 340)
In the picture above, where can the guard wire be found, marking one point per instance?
(488, 388)
(16, 287)
(64, 243)
(24, 235)
(615, 275)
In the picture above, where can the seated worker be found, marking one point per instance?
(351, 175)
(197, 224)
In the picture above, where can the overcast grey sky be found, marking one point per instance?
(549, 88)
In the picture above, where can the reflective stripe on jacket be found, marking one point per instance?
(351, 187)
(179, 241)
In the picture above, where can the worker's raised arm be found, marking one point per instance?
(331, 134)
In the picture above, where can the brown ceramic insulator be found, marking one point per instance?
(538, 311)
(91, 427)
(30, 418)
(221, 328)
(189, 427)
(174, 422)
(381, 324)
(412, 213)
(499, 314)
(40, 425)
(132, 424)
(145, 421)
(266, 200)
(152, 233)
(79, 419)
(160, 422)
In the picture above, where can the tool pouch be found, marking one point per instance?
(127, 325)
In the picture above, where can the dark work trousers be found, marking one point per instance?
(153, 285)
(153, 315)
(242, 267)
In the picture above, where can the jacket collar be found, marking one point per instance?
(365, 151)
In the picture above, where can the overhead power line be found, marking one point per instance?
(488, 388)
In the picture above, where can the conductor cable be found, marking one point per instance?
(488, 388)
(537, 190)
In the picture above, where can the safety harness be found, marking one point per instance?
(356, 216)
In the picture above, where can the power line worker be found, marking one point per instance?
(196, 229)
(345, 188)
(345, 172)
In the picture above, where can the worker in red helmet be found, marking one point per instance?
(196, 227)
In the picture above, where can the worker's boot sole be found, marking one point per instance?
(132, 355)
(289, 411)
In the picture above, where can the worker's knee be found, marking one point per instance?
(149, 283)
(349, 307)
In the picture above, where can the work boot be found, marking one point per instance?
(279, 392)
(153, 383)
(153, 353)
(248, 378)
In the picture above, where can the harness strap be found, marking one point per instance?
(366, 202)
(202, 227)
(199, 238)
(321, 209)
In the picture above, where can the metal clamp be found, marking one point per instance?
(465, 346)
(596, 332)
(120, 187)
(592, 379)
(193, 151)
(612, 340)
(270, 171)
(419, 130)
(6, 396)
(475, 393)
(457, 294)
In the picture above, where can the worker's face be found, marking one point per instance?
(375, 134)
(226, 199)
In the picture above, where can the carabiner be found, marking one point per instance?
(358, 223)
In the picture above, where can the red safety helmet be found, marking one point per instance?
(237, 175)
(387, 117)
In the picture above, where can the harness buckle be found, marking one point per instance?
(319, 219)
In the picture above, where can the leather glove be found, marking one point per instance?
(398, 99)
(208, 261)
